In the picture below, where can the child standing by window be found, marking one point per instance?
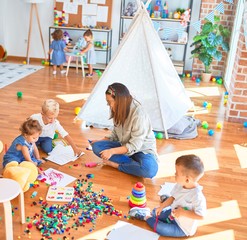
(90, 52)
(49, 123)
(57, 49)
(177, 216)
(23, 148)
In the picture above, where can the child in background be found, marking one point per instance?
(90, 52)
(57, 48)
(177, 216)
(23, 148)
(50, 125)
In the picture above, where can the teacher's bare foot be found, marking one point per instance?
(110, 163)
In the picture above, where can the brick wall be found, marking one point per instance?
(227, 20)
(237, 102)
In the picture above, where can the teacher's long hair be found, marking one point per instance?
(120, 93)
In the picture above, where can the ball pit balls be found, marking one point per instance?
(210, 132)
(24, 62)
(214, 79)
(225, 101)
(198, 80)
(43, 62)
(209, 105)
(219, 81)
(19, 94)
(219, 125)
(77, 110)
(193, 78)
(204, 125)
(188, 75)
(183, 75)
(159, 135)
(245, 124)
(205, 104)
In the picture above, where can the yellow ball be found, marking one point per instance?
(77, 110)
(24, 62)
(225, 101)
(214, 79)
(219, 125)
(209, 105)
(188, 75)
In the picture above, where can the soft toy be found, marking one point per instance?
(185, 17)
(66, 38)
(24, 173)
(130, 9)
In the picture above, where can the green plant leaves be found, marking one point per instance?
(206, 59)
(214, 40)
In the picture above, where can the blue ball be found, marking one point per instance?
(210, 132)
(198, 80)
(245, 124)
(205, 104)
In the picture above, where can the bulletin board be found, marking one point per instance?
(75, 20)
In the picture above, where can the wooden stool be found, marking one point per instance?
(77, 56)
(10, 189)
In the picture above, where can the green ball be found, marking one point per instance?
(159, 135)
(55, 136)
(205, 126)
(43, 62)
(19, 94)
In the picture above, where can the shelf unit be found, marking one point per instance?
(103, 56)
(180, 47)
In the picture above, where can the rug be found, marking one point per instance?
(10, 73)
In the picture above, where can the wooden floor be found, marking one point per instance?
(224, 182)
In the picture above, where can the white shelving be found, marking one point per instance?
(103, 55)
(179, 49)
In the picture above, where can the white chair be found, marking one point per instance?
(10, 189)
(72, 55)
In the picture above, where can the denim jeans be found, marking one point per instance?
(45, 144)
(163, 227)
(138, 164)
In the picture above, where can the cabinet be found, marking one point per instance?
(168, 30)
(103, 55)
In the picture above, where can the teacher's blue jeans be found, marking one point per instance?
(138, 164)
(162, 227)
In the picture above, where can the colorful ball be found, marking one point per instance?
(205, 104)
(19, 94)
(188, 75)
(209, 105)
(183, 75)
(159, 135)
(210, 132)
(245, 124)
(24, 62)
(204, 125)
(43, 62)
(225, 101)
(77, 110)
(219, 125)
(198, 80)
(193, 78)
(214, 79)
(219, 81)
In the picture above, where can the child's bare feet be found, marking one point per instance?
(110, 163)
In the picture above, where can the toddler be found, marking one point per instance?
(177, 216)
(57, 48)
(90, 52)
(48, 120)
(23, 148)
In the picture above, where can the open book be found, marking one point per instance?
(62, 154)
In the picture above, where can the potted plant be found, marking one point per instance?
(209, 43)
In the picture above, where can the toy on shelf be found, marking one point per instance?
(157, 9)
(62, 19)
(138, 196)
(104, 44)
(165, 10)
(66, 38)
(185, 17)
(130, 9)
(55, 17)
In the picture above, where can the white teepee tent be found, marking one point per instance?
(142, 64)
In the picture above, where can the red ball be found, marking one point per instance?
(193, 78)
